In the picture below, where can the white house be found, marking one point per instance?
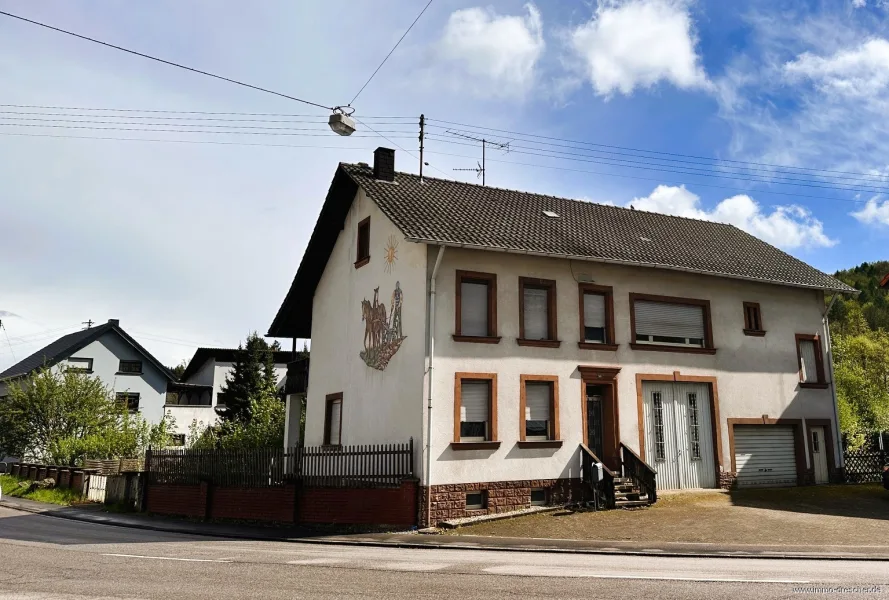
(110, 354)
(194, 398)
(517, 337)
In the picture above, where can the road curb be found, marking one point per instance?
(454, 546)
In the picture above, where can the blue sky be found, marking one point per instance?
(196, 243)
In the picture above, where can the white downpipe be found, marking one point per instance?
(430, 321)
(841, 463)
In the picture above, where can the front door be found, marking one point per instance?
(595, 397)
(678, 434)
(819, 455)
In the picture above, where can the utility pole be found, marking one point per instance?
(11, 351)
(480, 170)
(422, 135)
(88, 323)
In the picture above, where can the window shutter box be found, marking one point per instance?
(669, 320)
(474, 309)
(536, 314)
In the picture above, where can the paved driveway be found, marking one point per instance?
(825, 515)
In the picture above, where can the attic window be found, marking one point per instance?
(551, 214)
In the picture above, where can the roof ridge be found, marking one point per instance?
(563, 198)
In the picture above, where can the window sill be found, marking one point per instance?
(187, 406)
(539, 343)
(362, 262)
(685, 349)
(475, 445)
(540, 444)
(754, 332)
(814, 386)
(594, 346)
(477, 339)
(128, 373)
(84, 371)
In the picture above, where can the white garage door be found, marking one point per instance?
(765, 456)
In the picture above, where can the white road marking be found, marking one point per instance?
(411, 566)
(537, 571)
(318, 561)
(211, 560)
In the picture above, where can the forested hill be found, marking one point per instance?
(860, 338)
(873, 300)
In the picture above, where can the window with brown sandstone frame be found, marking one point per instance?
(810, 361)
(596, 305)
(362, 256)
(670, 324)
(753, 319)
(333, 419)
(539, 411)
(475, 410)
(476, 308)
(537, 313)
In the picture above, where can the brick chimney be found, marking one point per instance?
(384, 164)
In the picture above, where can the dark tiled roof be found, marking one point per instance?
(67, 345)
(202, 355)
(440, 211)
(456, 213)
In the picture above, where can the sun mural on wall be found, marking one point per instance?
(382, 330)
(391, 253)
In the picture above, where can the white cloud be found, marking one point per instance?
(787, 227)
(875, 212)
(859, 3)
(498, 53)
(861, 72)
(638, 43)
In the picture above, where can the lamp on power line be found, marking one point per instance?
(342, 122)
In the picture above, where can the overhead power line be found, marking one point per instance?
(321, 134)
(404, 35)
(707, 158)
(166, 62)
(36, 116)
(183, 112)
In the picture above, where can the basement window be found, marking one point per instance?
(475, 500)
(538, 497)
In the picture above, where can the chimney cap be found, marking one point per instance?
(115, 322)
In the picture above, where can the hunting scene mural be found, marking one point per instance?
(382, 330)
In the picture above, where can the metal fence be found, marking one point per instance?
(378, 465)
(865, 465)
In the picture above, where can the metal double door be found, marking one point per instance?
(678, 433)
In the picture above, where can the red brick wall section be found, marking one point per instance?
(255, 504)
(360, 506)
(449, 501)
(185, 500)
(77, 480)
(32, 473)
(64, 478)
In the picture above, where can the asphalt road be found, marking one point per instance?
(50, 558)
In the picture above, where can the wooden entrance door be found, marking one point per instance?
(600, 413)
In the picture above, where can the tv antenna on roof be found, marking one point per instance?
(484, 142)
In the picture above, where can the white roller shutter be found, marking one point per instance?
(474, 405)
(536, 314)
(669, 320)
(336, 409)
(593, 310)
(473, 308)
(537, 403)
(765, 456)
(809, 366)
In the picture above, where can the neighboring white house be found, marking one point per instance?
(542, 330)
(110, 354)
(194, 398)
